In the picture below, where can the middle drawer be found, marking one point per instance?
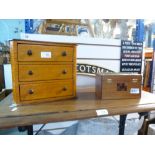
(45, 72)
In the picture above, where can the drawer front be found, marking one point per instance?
(44, 53)
(45, 72)
(46, 90)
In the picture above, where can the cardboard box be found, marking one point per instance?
(118, 86)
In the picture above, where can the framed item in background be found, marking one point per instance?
(131, 56)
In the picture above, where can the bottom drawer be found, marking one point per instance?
(45, 90)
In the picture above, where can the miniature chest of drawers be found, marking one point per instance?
(42, 71)
(118, 86)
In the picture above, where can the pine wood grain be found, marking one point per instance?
(56, 52)
(45, 72)
(46, 90)
(27, 69)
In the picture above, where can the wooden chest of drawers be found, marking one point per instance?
(118, 86)
(42, 71)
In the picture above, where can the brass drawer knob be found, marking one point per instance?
(30, 91)
(29, 52)
(30, 72)
(64, 53)
(64, 89)
(64, 72)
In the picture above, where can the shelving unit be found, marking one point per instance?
(148, 66)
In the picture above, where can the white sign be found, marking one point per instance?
(102, 112)
(46, 54)
(134, 91)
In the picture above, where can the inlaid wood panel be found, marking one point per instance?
(118, 86)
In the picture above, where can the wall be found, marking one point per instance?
(11, 29)
(104, 56)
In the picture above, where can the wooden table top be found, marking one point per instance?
(84, 106)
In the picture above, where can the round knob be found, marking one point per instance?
(30, 91)
(64, 89)
(30, 72)
(64, 53)
(29, 52)
(64, 71)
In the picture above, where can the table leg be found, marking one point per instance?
(144, 128)
(122, 124)
(29, 129)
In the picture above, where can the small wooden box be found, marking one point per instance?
(118, 86)
(43, 71)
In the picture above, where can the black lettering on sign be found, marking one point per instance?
(91, 69)
(131, 56)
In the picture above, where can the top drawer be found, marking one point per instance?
(28, 52)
